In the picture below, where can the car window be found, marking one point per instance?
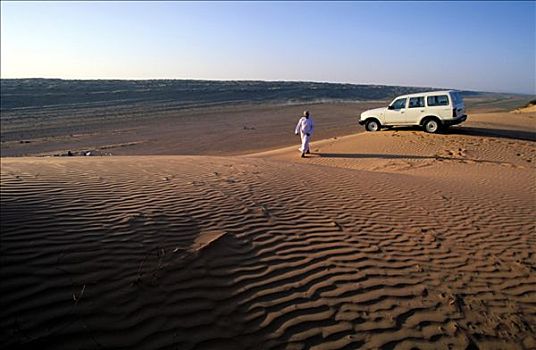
(441, 100)
(415, 102)
(456, 97)
(400, 103)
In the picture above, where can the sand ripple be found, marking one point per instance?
(226, 253)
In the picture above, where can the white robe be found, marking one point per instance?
(305, 127)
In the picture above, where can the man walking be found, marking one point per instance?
(305, 129)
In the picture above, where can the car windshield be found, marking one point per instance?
(399, 104)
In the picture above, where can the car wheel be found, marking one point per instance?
(432, 126)
(372, 125)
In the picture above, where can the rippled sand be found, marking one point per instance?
(397, 239)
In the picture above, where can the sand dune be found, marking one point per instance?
(389, 240)
(227, 253)
(529, 109)
(405, 150)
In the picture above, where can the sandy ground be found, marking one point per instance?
(218, 130)
(226, 130)
(390, 240)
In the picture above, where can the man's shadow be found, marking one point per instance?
(368, 156)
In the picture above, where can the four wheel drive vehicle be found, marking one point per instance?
(431, 110)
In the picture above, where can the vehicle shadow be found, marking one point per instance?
(487, 132)
(478, 131)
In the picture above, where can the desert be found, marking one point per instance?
(206, 230)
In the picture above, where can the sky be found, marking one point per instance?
(484, 46)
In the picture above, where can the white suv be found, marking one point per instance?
(431, 110)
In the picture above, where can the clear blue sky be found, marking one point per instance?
(487, 46)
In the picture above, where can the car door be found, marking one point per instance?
(415, 110)
(395, 113)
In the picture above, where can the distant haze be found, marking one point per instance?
(483, 46)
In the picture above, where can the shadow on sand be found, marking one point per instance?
(370, 156)
(499, 133)
(527, 135)
(399, 156)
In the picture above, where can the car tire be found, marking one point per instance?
(432, 126)
(372, 125)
